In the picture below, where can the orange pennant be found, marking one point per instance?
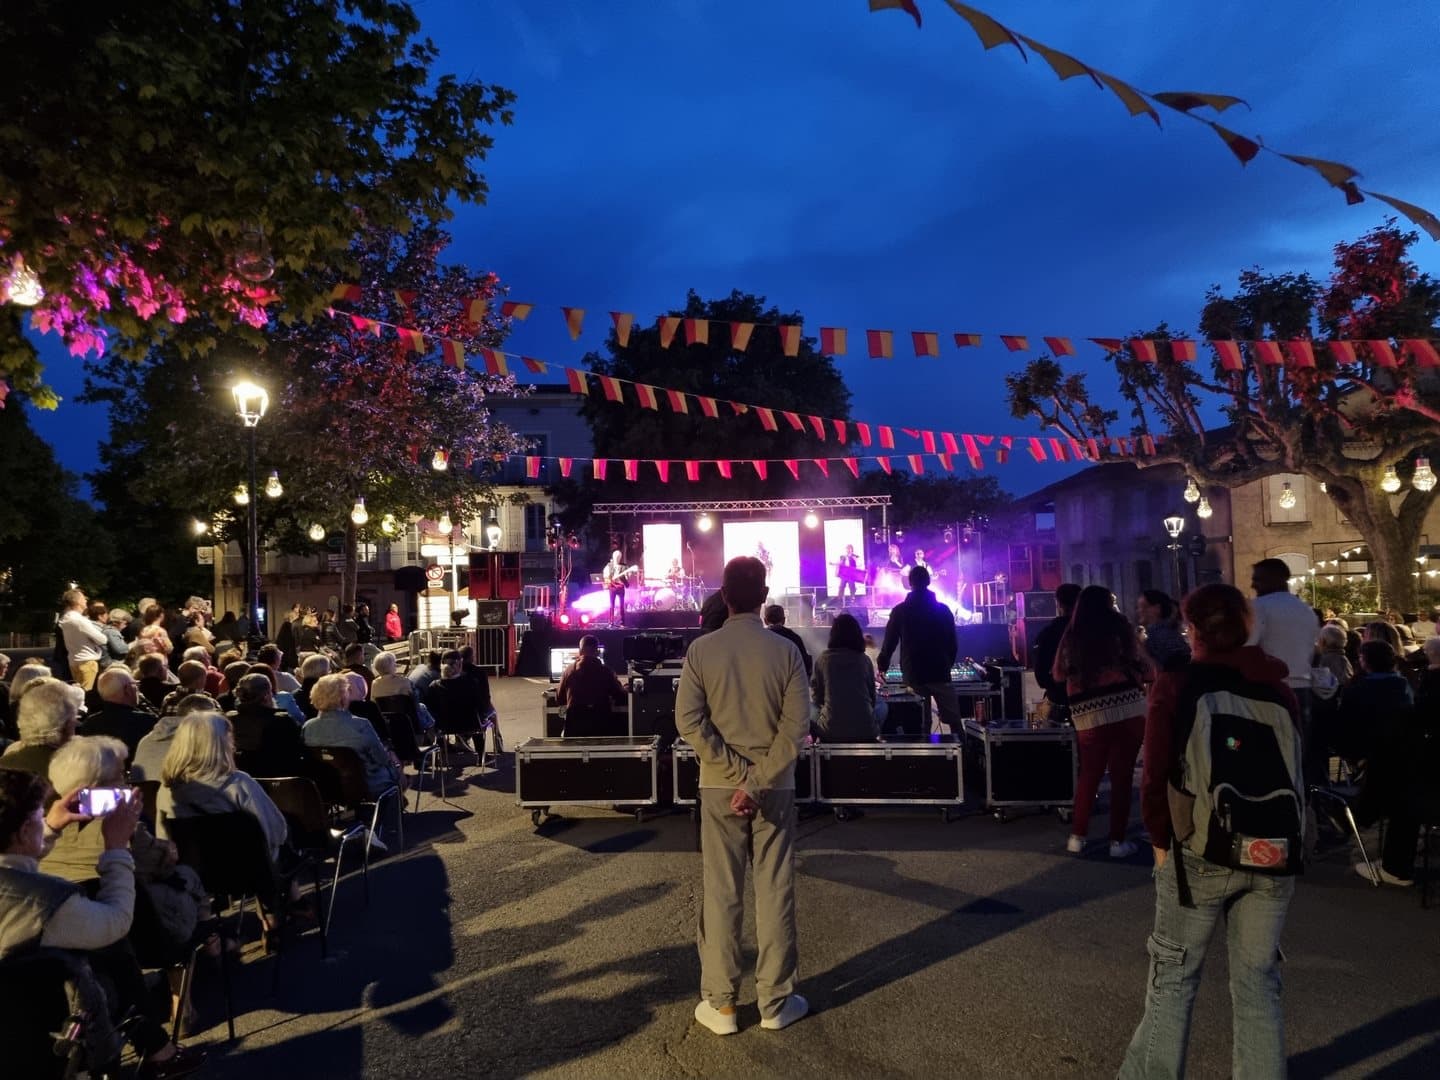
(623, 321)
(677, 401)
(990, 32)
(352, 293)
(646, 394)
(881, 343)
(853, 465)
(452, 353)
(790, 339)
(1132, 99)
(1382, 353)
(709, 407)
(668, 325)
(1343, 351)
(697, 331)
(632, 468)
(917, 464)
(574, 320)
(965, 341)
(1186, 100)
(907, 6)
(1417, 214)
(494, 362)
(926, 343)
(740, 335)
(1144, 350)
(1422, 352)
(1109, 344)
(412, 339)
(578, 383)
(832, 340)
(1302, 353)
(1229, 353)
(535, 367)
(512, 310)
(611, 386)
(1243, 148)
(476, 308)
(1060, 346)
(1182, 351)
(1268, 352)
(599, 466)
(767, 418)
(1015, 342)
(884, 463)
(793, 419)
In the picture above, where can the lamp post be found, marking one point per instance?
(251, 401)
(1175, 525)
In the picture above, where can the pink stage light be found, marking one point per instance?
(594, 604)
(565, 619)
(584, 618)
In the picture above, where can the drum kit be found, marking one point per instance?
(676, 592)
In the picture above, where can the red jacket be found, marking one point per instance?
(1254, 664)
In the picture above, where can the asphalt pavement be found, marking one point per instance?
(968, 949)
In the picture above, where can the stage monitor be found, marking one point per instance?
(845, 536)
(775, 543)
(560, 659)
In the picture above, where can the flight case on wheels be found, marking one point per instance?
(901, 771)
(687, 775)
(1021, 766)
(613, 770)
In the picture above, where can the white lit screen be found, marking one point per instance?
(662, 544)
(840, 532)
(775, 542)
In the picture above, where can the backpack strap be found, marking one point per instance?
(1182, 883)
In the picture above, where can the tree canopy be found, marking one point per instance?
(159, 160)
(1342, 425)
(351, 414)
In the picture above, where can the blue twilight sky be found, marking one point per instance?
(867, 174)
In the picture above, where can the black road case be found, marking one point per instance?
(687, 775)
(555, 716)
(615, 770)
(1021, 766)
(652, 701)
(902, 771)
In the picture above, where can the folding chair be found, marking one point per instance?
(1338, 800)
(312, 833)
(340, 775)
(409, 742)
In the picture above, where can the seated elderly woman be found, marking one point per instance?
(199, 777)
(41, 910)
(312, 669)
(335, 725)
(284, 699)
(176, 897)
(47, 718)
(149, 760)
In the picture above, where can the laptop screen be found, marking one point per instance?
(560, 659)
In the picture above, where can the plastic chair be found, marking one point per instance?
(40, 1037)
(340, 775)
(312, 832)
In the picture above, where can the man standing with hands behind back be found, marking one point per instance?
(743, 705)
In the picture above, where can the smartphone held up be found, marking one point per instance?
(99, 801)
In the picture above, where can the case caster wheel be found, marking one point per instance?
(1002, 817)
(842, 814)
(538, 815)
(639, 816)
(1064, 815)
(945, 817)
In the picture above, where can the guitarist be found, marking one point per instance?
(849, 561)
(614, 576)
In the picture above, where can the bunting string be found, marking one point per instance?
(993, 33)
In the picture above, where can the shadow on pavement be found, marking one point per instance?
(1352, 1048)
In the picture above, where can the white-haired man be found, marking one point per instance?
(84, 639)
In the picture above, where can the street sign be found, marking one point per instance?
(205, 556)
(434, 574)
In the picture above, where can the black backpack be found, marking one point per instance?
(1236, 793)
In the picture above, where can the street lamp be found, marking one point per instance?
(1175, 525)
(251, 401)
(492, 531)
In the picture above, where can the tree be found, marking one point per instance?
(808, 383)
(49, 537)
(159, 160)
(1343, 426)
(352, 413)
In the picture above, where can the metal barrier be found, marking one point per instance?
(492, 645)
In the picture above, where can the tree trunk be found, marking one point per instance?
(1393, 538)
(350, 571)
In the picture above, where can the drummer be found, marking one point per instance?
(674, 577)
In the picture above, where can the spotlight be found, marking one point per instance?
(704, 523)
(949, 535)
(584, 618)
(812, 519)
(565, 618)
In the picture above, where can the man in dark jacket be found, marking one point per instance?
(1375, 702)
(267, 739)
(119, 714)
(775, 623)
(459, 703)
(924, 631)
(1047, 644)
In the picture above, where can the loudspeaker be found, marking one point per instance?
(1035, 605)
(507, 578)
(492, 613)
(481, 580)
(1025, 634)
(410, 579)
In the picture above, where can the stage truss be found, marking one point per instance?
(745, 506)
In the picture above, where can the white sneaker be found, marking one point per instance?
(1075, 844)
(720, 1023)
(794, 1008)
(1385, 876)
(376, 844)
(1122, 849)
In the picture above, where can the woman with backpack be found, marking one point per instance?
(1221, 799)
(1100, 665)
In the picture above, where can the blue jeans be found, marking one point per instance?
(1253, 906)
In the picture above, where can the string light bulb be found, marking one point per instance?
(1192, 490)
(242, 496)
(317, 532)
(388, 525)
(1424, 478)
(21, 285)
(440, 462)
(198, 527)
(273, 488)
(445, 524)
(358, 514)
(1202, 508)
(1287, 496)
(1390, 482)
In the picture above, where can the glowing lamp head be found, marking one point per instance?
(584, 618)
(1174, 525)
(251, 401)
(198, 527)
(440, 462)
(445, 525)
(273, 488)
(812, 519)
(242, 496)
(358, 514)
(704, 523)
(493, 532)
(21, 285)
(1192, 490)
(564, 618)
(1287, 496)
(1202, 509)
(317, 532)
(1424, 478)
(1390, 482)
(388, 525)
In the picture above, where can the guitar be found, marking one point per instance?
(615, 579)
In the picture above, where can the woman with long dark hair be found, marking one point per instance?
(843, 685)
(1100, 664)
(1164, 643)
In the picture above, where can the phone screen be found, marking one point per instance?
(97, 802)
